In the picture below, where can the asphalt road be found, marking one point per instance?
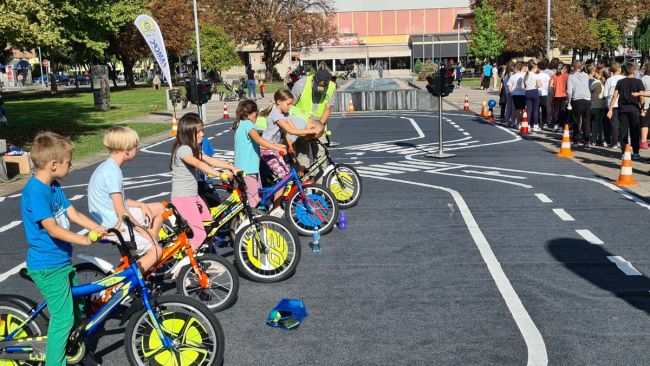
(502, 255)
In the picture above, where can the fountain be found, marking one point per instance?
(372, 94)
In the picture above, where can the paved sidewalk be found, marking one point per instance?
(604, 162)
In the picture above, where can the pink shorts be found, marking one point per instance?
(275, 162)
(194, 211)
(253, 184)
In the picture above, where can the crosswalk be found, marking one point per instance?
(401, 167)
(407, 149)
(227, 155)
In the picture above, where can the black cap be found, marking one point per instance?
(321, 81)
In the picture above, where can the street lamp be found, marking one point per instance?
(290, 26)
(40, 63)
(199, 73)
(459, 19)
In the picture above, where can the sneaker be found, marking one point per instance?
(587, 145)
(618, 145)
(537, 129)
(644, 145)
(605, 144)
(636, 157)
(277, 212)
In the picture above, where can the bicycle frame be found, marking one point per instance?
(122, 284)
(267, 194)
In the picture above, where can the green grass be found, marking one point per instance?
(74, 116)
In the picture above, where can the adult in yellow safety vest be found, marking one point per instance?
(314, 96)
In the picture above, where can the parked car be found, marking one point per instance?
(45, 78)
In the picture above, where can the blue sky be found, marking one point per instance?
(361, 5)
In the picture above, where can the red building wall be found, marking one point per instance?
(398, 22)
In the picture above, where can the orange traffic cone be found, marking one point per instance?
(174, 125)
(350, 106)
(625, 177)
(490, 115)
(225, 111)
(466, 105)
(484, 109)
(565, 149)
(524, 122)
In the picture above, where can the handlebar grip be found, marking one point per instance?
(328, 133)
(167, 214)
(224, 176)
(241, 174)
(94, 236)
(282, 153)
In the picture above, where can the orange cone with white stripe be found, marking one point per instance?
(350, 106)
(225, 111)
(490, 115)
(484, 109)
(565, 149)
(524, 123)
(466, 105)
(174, 125)
(625, 177)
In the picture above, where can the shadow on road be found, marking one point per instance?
(590, 262)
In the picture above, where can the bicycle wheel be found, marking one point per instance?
(222, 285)
(12, 316)
(282, 246)
(320, 209)
(196, 332)
(88, 273)
(345, 183)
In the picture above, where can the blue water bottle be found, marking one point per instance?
(343, 222)
(315, 244)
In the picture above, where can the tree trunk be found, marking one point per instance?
(128, 72)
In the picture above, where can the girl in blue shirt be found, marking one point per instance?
(247, 148)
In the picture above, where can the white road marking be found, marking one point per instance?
(82, 232)
(130, 182)
(438, 171)
(379, 168)
(466, 133)
(534, 341)
(624, 265)
(147, 185)
(423, 164)
(76, 197)
(356, 153)
(589, 236)
(2, 199)
(154, 196)
(365, 173)
(494, 173)
(396, 167)
(544, 198)
(12, 271)
(563, 215)
(9, 226)
(15, 195)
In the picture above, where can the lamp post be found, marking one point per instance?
(458, 19)
(199, 73)
(40, 63)
(290, 26)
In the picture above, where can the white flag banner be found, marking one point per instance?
(151, 33)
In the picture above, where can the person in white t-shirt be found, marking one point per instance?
(516, 88)
(544, 102)
(610, 86)
(532, 84)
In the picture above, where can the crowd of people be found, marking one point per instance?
(605, 103)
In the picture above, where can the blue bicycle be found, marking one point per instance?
(307, 206)
(165, 330)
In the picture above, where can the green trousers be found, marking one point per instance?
(55, 284)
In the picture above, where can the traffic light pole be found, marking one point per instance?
(441, 153)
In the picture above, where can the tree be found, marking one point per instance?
(606, 33)
(264, 23)
(486, 41)
(642, 36)
(218, 50)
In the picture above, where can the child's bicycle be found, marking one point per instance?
(266, 248)
(165, 330)
(342, 179)
(308, 206)
(209, 278)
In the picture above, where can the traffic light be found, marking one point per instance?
(441, 84)
(198, 91)
(205, 91)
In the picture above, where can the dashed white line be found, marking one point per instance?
(624, 265)
(154, 196)
(2, 199)
(9, 226)
(147, 185)
(544, 198)
(130, 183)
(11, 272)
(76, 197)
(466, 133)
(589, 236)
(563, 215)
